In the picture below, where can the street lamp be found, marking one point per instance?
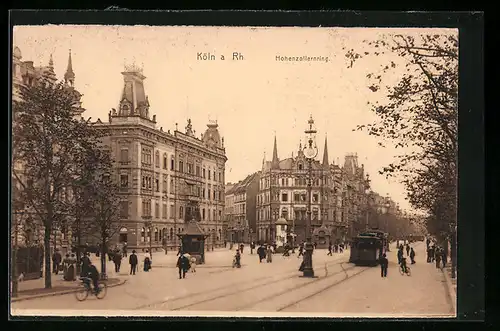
(310, 152)
(368, 192)
(148, 224)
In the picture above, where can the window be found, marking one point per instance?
(296, 197)
(172, 164)
(303, 197)
(214, 194)
(203, 213)
(284, 197)
(172, 210)
(143, 234)
(284, 213)
(181, 212)
(124, 180)
(282, 181)
(124, 209)
(157, 185)
(220, 215)
(220, 177)
(165, 185)
(190, 168)
(197, 170)
(146, 208)
(300, 166)
(165, 161)
(204, 174)
(203, 193)
(157, 210)
(315, 197)
(157, 159)
(146, 156)
(198, 191)
(208, 194)
(181, 166)
(209, 174)
(214, 215)
(124, 155)
(156, 234)
(171, 184)
(171, 234)
(164, 211)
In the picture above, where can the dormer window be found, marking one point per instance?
(300, 166)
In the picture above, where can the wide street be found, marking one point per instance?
(340, 289)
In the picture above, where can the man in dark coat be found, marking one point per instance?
(412, 256)
(132, 260)
(407, 249)
(384, 264)
(182, 265)
(329, 249)
(85, 260)
(56, 260)
(117, 259)
(252, 247)
(400, 255)
(261, 251)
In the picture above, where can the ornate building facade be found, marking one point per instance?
(166, 178)
(338, 197)
(27, 227)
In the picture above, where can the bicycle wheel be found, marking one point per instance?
(103, 288)
(82, 293)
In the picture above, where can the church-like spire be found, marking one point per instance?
(51, 62)
(69, 76)
(275, 163)
(325, 154)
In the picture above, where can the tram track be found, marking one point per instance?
(255, 283)
(327, 287)
(261, 285)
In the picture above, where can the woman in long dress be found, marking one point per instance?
(269, 253)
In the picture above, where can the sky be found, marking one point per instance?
(253, 99)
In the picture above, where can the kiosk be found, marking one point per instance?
(322, 237)
(193, 241)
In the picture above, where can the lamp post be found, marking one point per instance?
(310, 152)
(148, 225)
(368, 192)
(386, 212)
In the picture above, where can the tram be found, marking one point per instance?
(383, 236)
(366, 250)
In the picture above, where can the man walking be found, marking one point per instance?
(182, 265)
(56, 260)
(329, 249)
(117, 259)
(384, 264)
(412, 255)
(407, 249)
(400, 255)
(261, 251)
(132, 260)
(301, 250)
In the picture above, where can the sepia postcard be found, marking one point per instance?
(234, 171)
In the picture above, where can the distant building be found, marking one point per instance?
(165, 178)
(241, 202)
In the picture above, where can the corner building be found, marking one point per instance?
(283, 194)
(166, 178)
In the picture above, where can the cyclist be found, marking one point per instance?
(93, 274)
(403, 265)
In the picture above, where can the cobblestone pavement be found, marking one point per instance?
(340, 288)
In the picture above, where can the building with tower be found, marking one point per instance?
(25, 73)
(166, 178)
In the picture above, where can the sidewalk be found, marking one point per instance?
(33, 289)
(451, 284)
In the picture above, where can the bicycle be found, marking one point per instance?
(86, 289)
(402, 272)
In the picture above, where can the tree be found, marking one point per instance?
(418, 113)
(45, 143)
(104, 203)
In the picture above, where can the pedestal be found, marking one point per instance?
(308, 266)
